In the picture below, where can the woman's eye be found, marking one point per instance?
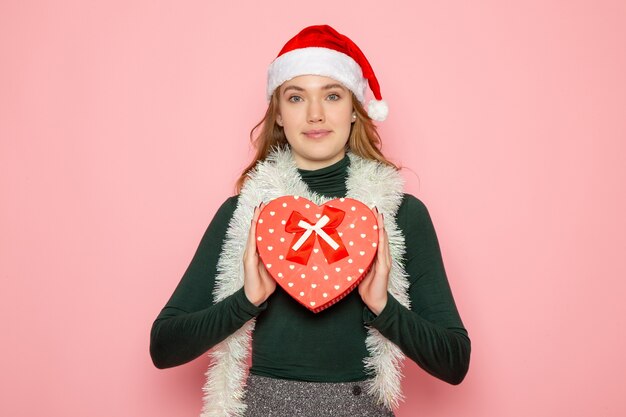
(295, 99)
(333, 97)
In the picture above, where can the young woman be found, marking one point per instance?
(317, 141)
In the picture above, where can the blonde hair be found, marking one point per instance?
(364, 140)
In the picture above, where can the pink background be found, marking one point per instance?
(124, 124)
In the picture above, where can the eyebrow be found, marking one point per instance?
(326, 87)
(330, 86)
(292, 87)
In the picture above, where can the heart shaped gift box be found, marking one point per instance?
(317, 254)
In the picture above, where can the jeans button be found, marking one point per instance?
(356, 390)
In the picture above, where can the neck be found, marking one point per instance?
(311, 165)
(329, 181)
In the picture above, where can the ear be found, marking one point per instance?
(279, 120)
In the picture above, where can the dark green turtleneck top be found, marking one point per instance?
(291, 342)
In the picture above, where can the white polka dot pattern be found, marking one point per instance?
(317, 285)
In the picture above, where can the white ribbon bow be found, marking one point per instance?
(317, 228)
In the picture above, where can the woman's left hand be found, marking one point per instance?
(373, 288)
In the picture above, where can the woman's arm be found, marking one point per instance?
(431, 333)
(190, 323)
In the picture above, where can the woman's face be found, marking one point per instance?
(316, 115)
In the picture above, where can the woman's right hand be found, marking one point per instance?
(257, 283)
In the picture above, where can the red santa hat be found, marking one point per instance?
(321, 50)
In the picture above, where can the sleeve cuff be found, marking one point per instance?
(385, 317)
(243, 305)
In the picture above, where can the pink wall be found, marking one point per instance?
(124, 124)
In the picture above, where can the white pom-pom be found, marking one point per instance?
(378, 110)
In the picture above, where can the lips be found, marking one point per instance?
(316, 133)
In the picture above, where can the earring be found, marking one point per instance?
(353, 116)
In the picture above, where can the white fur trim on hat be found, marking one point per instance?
(317, 61)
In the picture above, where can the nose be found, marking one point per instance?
(315, 112)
